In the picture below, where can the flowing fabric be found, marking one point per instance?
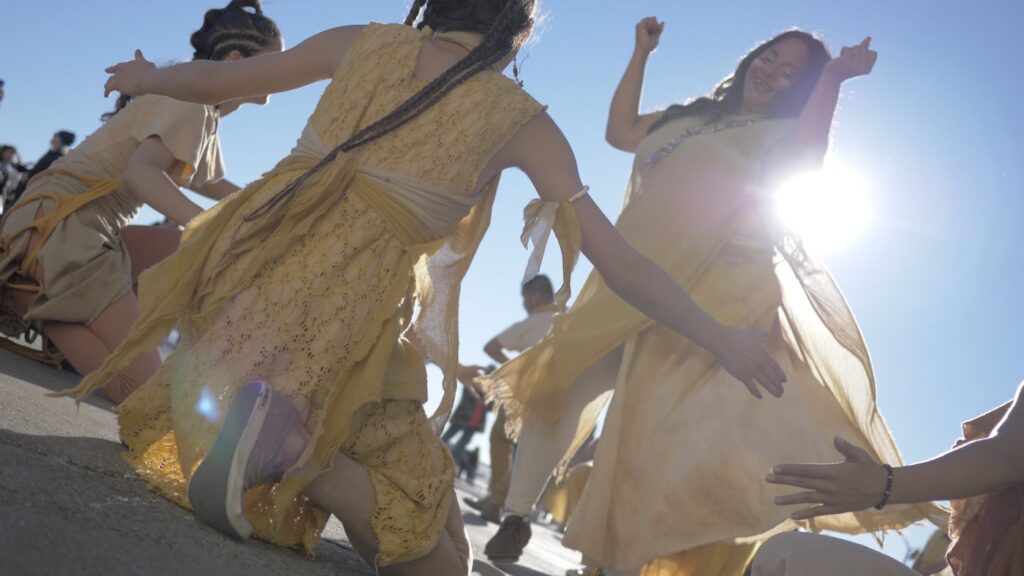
(315, 295)
(694, 207)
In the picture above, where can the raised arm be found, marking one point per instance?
(806, 146)
(626, 125)
(213, 82)
(972, 469)
(218, 190)
(541, 150)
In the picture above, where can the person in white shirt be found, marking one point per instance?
(539, 302)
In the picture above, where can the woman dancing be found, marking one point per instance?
(293, 376)
(684, 447)
(68, 259)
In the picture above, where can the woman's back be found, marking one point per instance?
(449, 144)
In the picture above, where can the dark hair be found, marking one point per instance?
(506, 25)
(727, 97)
(66, 137)
(540, 285)
(225, 30)
(7, 148)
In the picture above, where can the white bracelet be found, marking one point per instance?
(580, 194)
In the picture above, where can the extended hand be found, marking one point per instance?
(468, 377)
(126, 77)
(855, 484)
(853, 61)
(648, 34)
(744, 356)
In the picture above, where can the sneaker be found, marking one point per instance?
(491, 512)
(477, 504)
(249, 451)
(512, 537)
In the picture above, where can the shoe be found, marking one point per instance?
(249, 451)
(477, 504)
(510, 541)
(491, 512)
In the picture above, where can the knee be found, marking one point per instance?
(774, 555)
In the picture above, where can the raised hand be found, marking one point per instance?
(857, 483)
(648, 34)
(853, 61)
(744, 356)
(126, 77)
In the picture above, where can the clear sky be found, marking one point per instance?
(934, 133)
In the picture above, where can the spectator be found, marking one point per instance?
(59, 146)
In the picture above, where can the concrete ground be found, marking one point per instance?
(69, 505)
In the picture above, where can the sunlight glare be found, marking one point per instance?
(827, 208)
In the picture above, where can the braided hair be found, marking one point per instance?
(240, 26)
(728, 95)
(506, 25)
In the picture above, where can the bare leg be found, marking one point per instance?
(86, 347)
(345, 490)
(148, 245)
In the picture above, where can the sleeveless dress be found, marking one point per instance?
(82, 207)
(314, 297)
(693, 207)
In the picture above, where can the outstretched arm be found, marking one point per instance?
(213, 82)
(541, 150)
(973, 469)
(626, 126)
(806, 146)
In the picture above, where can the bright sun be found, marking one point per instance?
(827, 208)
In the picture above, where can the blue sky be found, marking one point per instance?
(934, 132)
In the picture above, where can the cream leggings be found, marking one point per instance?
(801, 554)
(541, 446)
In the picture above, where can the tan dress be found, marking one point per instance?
(313, 298)
(692, 207)
(85, 264)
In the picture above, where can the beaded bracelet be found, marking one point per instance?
(888, 487)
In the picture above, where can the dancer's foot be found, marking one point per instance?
(477, 503)
(489, 509)
(261, 439)
(510, 541)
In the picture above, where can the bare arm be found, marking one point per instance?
(626, 126)
(973, 469)
(218, 190)
(146, 176)
(541, 150)
(213, 82)
(495, 350)
(806, 146)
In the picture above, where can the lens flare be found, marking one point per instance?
(827, 208)
(207, 405)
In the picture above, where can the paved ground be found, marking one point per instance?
(69, 505)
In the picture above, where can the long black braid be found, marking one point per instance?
(508, 30)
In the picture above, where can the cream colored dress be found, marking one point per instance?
(685, 447)
(314, 296)
(85, 263)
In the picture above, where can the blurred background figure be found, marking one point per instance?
(59, 146)
(11, 172)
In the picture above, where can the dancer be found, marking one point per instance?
(67, 260)
(684, 447)
(539, 302)
(308, 278)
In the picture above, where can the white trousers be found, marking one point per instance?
(803, 554)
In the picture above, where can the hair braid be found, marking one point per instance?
(508, 30)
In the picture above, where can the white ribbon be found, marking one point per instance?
(540, 216)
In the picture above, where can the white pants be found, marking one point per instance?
(802, 554)
(541, 446)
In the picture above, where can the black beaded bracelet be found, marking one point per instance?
(888, 487)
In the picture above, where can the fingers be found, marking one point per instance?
(816, 512)
(139, 57)
(808, 497)
(853, 453)
(752, 387)
(816, 484)
(820, 471)
(865, 43)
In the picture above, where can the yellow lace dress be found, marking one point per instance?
(314, 296)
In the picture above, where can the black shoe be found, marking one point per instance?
(510, 541)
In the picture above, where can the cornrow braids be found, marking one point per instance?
(241, 26)
(509, 30)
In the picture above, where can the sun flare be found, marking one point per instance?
(828, 208)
